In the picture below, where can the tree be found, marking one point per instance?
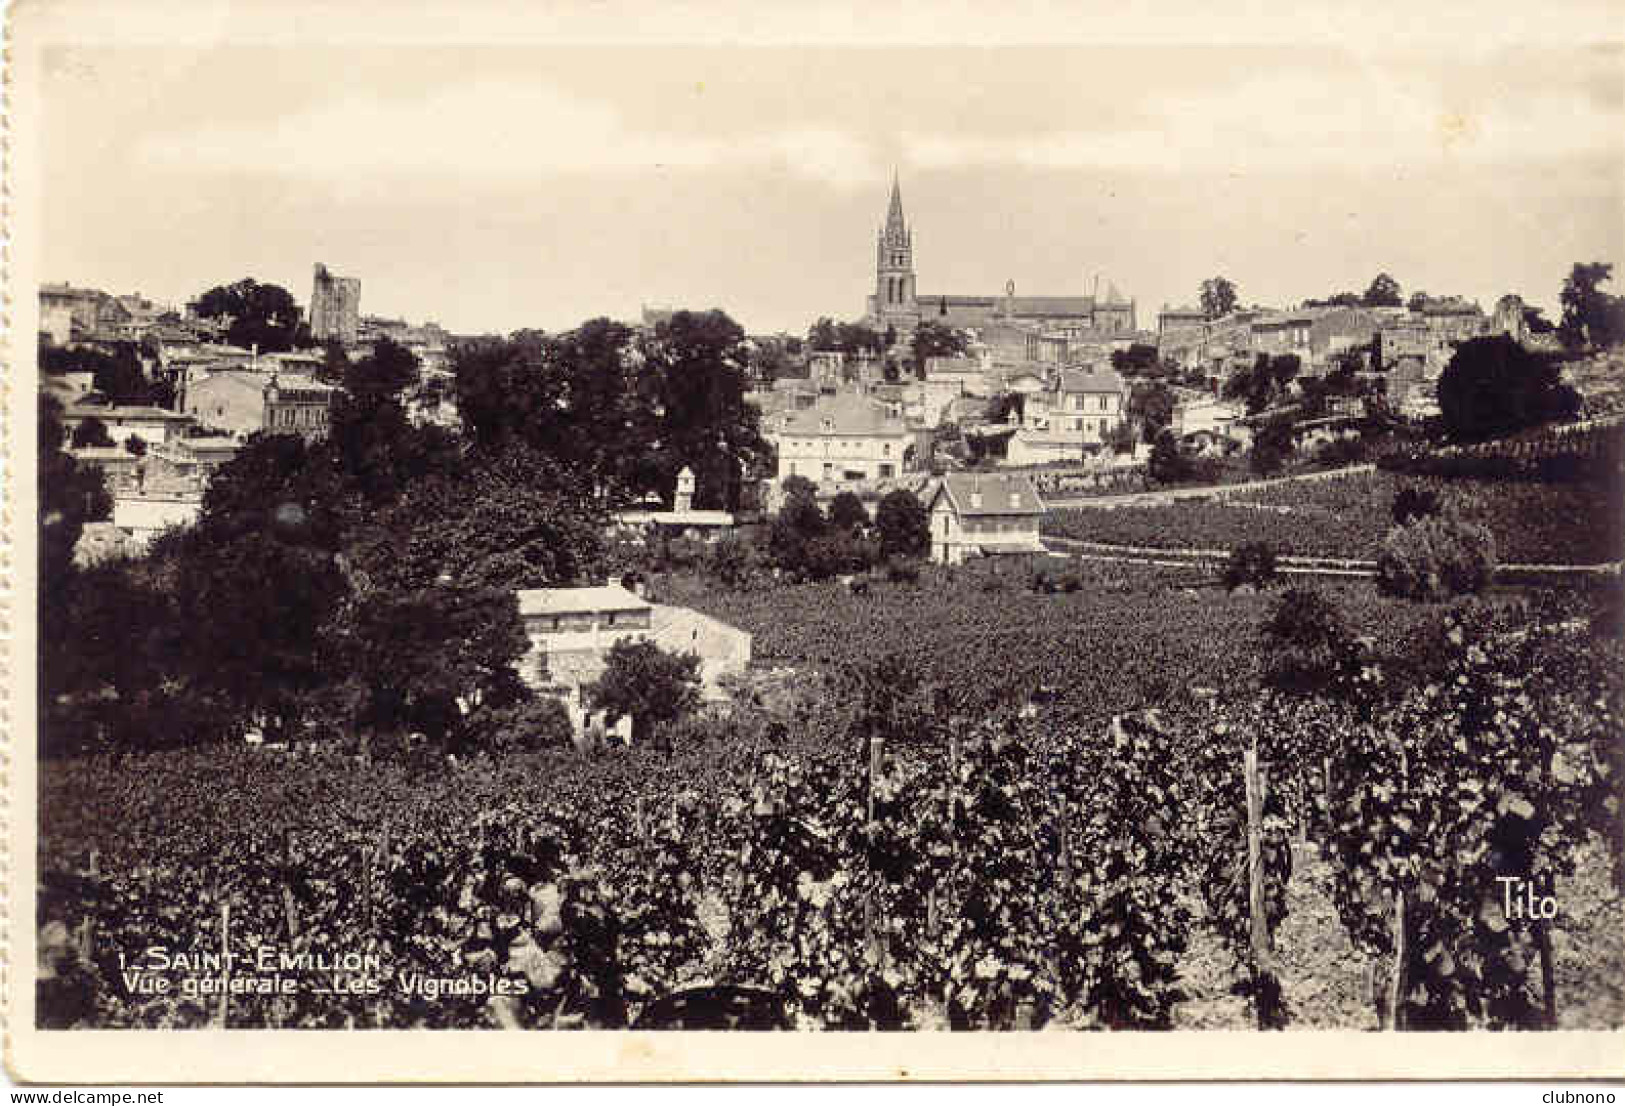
(70, 495)
(1258, 385)
(256, 582)
(698, 365)
(263, 315)
(1153, 405)
(91, 433)
(1140, 359)
(1382, 292)
(902, 524)
(1591, 317)
(732, 559)
(1309, 650)
(1251, 563)
(846, 512)
(828, 336)
(384, 374)
(434, 659)
(1272, 445)
(1337, 299)
(798, 523)
(1218, 297)
(1435, 557)
(644, 682)
(1168, 463)
(335, 363)
(933, 339)
(1121, 438)
(1414, 503)
(1418, 302)
(516, 520)
(116, 375)
(1537, 322)
(1493, 387)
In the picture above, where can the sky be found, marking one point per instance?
(495, 185)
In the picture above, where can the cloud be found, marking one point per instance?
(1280, 120)
(1305, 122)
(504, 129)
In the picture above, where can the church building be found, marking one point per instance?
(898, 303)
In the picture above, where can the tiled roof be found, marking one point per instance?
(984, 493)
(846, 414)
(1082, 380)
(551, 601)
(104, 413)
(1052, 305)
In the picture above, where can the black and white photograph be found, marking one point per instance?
(1062, 532)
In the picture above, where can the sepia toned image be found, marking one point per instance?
(618, 548)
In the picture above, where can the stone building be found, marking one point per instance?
(898, 303)
(241, 403)
(984, 515)
(335, 307)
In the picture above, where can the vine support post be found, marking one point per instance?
(1548, 978)
(871, 905)
(1326, 794)
(366, 888)
(1263, 959)
(638, 822)
(290, 912)
(1396, 980)
(225, 963)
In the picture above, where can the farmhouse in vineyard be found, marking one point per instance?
(571, 630)
(984, 515)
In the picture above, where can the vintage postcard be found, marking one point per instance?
(757, 542)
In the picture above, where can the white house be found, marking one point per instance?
(1210, 416)
(153, 425)
(571, 630)
(841, 440)
(983, 515)
(1087, 403)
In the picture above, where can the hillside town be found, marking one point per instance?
(741, 615)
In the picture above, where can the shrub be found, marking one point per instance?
(1070, 582)
(1411, 504)
(846, 512)
(732, 561)
(903, 526)
(538, 723)
(903, 572)
(1310, 649)
(1436, 557)
(1252, 563)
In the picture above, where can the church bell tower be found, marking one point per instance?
(894, 268)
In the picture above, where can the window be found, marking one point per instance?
(1103, 403)
(885, 450)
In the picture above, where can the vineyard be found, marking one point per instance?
(1533, 523)
(883, 861)
(1129, 637)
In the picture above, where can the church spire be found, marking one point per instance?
(895, 228)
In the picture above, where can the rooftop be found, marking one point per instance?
(1083, 380)
(80, 411)
(844, 413)
(550, 601)
(999, 494)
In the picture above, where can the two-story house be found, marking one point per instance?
(983, 515)
(841, 439)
